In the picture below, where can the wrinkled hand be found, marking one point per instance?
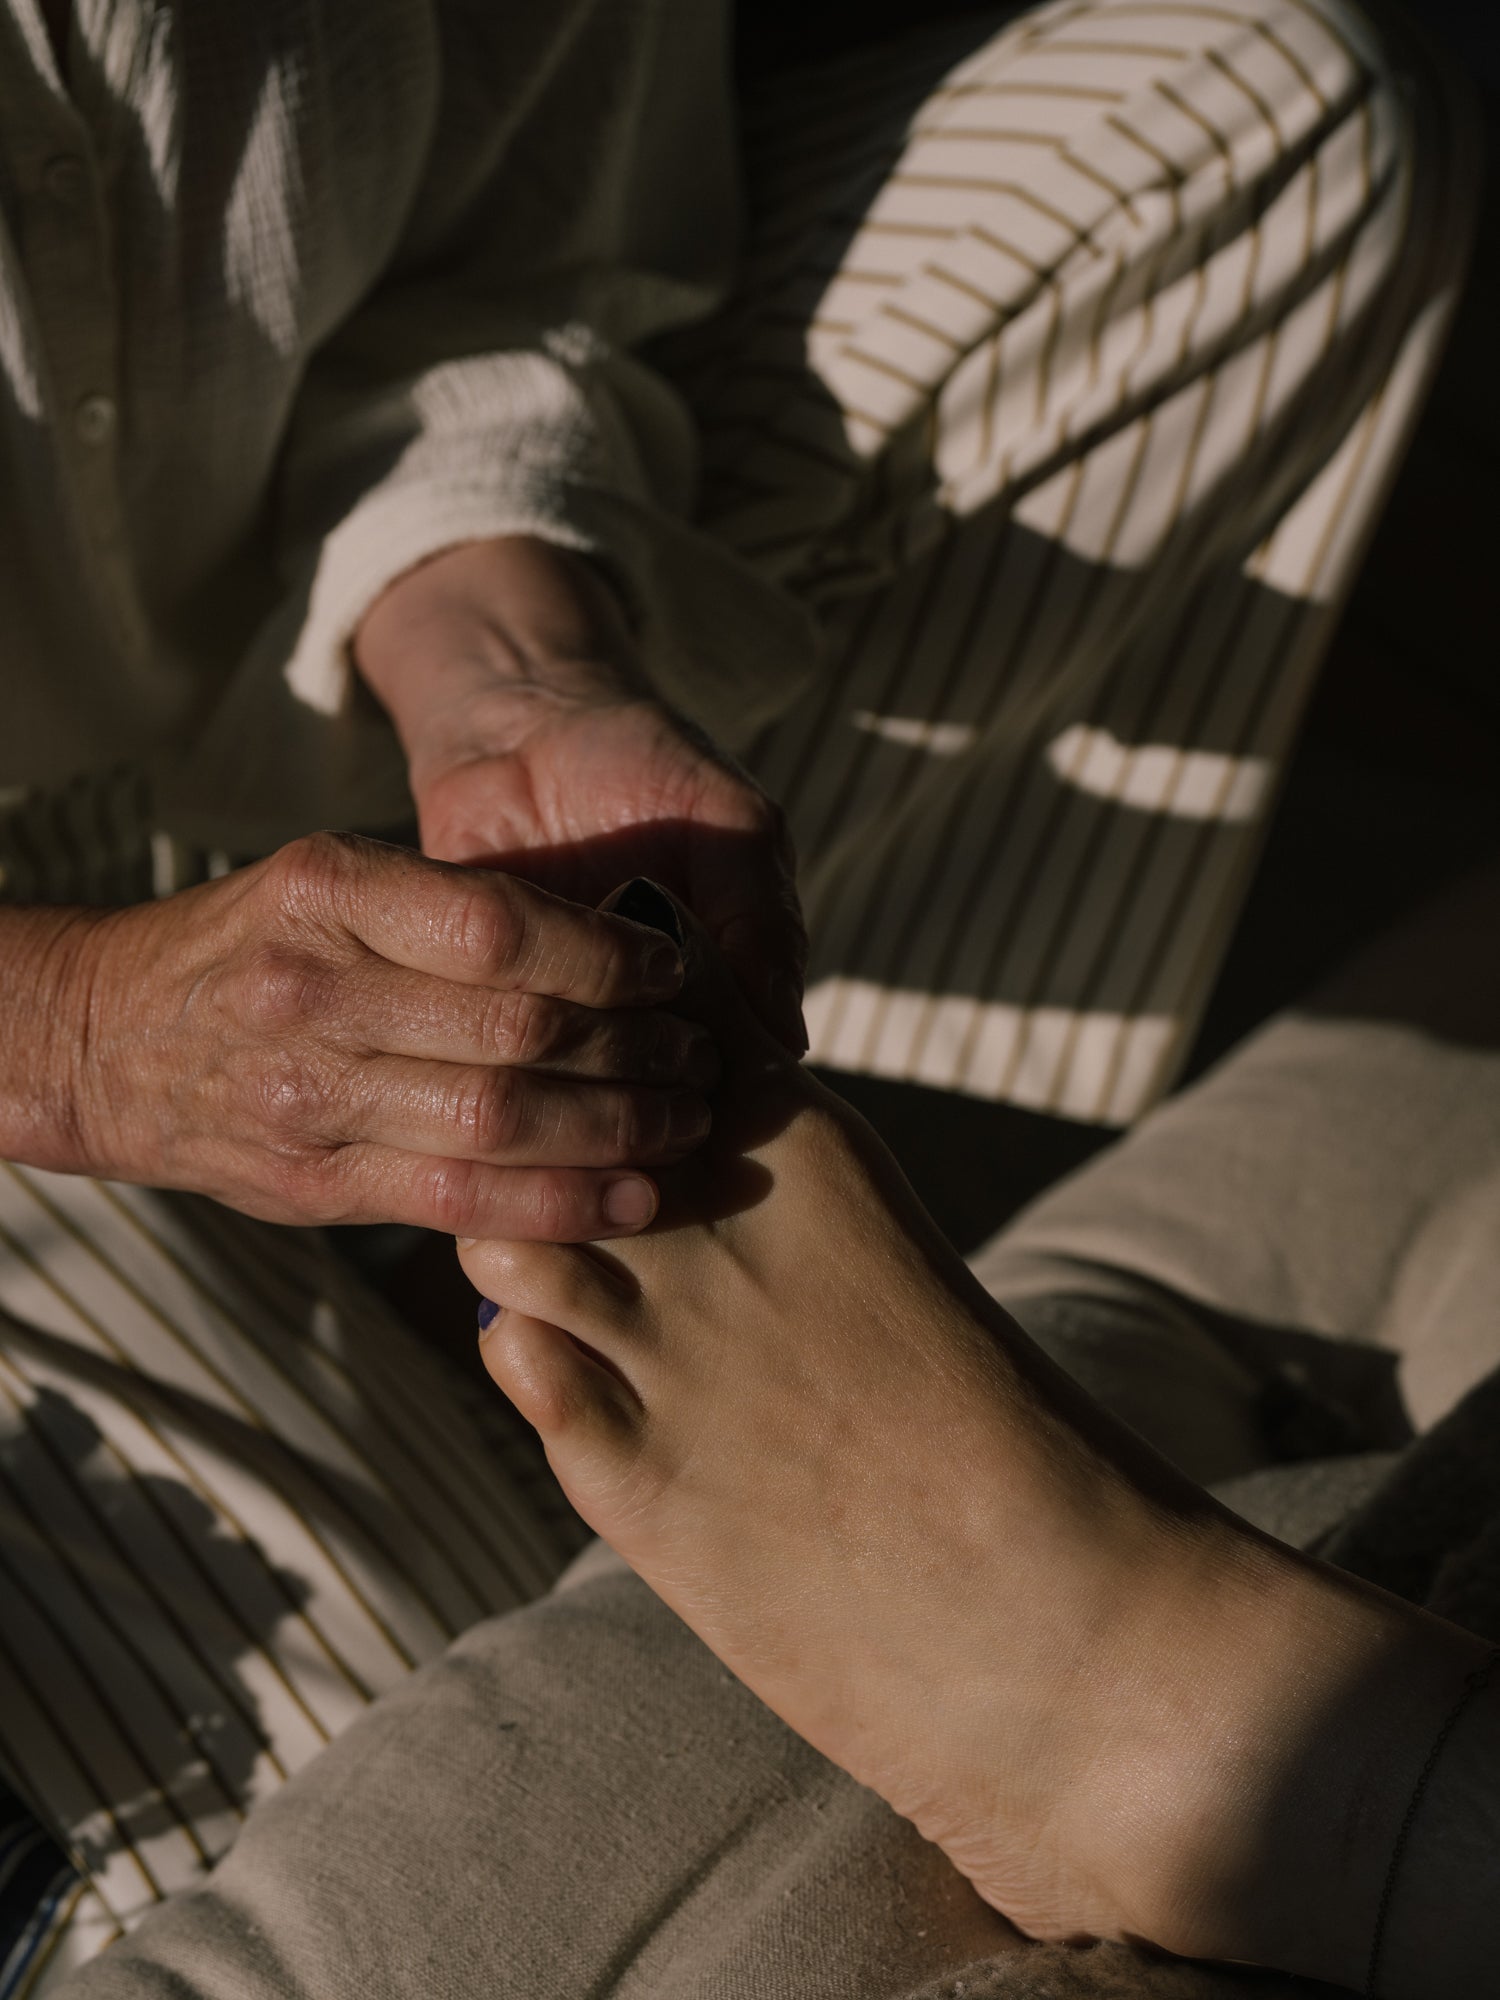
(535, 743)
(348, 1032)
(595, 790)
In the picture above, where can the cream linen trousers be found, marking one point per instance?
(1076, 351)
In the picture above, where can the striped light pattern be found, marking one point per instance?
(1074, 362)
(1074, 355)
(237, 1502)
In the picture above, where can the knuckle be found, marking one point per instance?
(487, 1113)
(282, 988)
(518, 1028)
(454, 1203)
(466, 1199)
(777, 829)
(308, 1182)
(553, 1209)
(290, 1098)
(306, 872)
(486, 928)
(638, 1125)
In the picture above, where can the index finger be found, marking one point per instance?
(483, 928)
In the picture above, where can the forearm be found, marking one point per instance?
(47, 997)
(461, 650)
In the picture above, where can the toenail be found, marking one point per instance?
(489, 1312)
(630, 1203)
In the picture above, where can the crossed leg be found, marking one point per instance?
(1119, 1711)
(1329, 1196)
(800, 1418)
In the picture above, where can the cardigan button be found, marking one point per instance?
(94, 419)
(66, 178)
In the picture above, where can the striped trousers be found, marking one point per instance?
(1075, 352)
(1072, 367)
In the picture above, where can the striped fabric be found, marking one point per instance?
(94, 841)
(1075, 353)
(1075, 360)
(237, 1503)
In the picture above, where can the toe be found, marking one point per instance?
(565, 1285)
(571, 1396)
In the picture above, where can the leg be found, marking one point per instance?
(1118, 1711)
(1075, 357)
(578, 1799)
(1351, 1151)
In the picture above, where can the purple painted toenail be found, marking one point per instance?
(489, 1312)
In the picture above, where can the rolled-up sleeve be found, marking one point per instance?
(578, 196)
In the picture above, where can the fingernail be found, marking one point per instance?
(688, 1117)
(629, 1204)
(704, 1065)
(464, 1242)
(665, 971)
(644, 902)
(489, 1312)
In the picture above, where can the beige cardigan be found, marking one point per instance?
(293, 295)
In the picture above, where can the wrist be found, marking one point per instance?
(52, 998)
(470, 650)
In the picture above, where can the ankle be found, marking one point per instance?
(1280, 1728)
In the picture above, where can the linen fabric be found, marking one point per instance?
(238, 1503)
(1309, 1238)
(292, 298)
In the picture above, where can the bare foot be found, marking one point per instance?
(790, 1407)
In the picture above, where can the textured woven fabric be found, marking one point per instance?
(291, 298)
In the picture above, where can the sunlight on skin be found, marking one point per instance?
(790, 1407)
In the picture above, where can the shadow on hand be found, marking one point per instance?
(696, 862)
(762, 1089)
